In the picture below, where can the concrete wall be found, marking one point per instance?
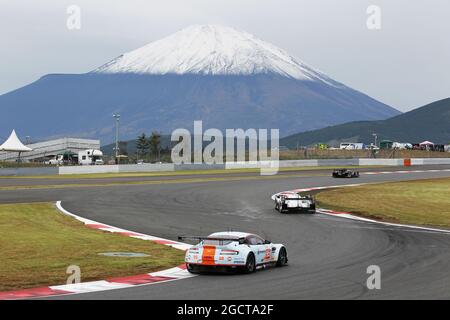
(380, 162)
(237, 165)
(249, 165)
(430, 161)
(337, 162)
(88, 169)
(116, 168)
(7, 172)
(198, 166)
(298, 163)
(147, 167)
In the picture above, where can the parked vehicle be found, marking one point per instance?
(58, 160)
(372, 146)
(402, 146)
(351, 146)
(90, 157)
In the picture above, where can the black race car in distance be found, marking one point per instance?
(345, 173)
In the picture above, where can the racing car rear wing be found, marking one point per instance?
(221, 240)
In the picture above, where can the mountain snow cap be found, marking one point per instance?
(212, 50)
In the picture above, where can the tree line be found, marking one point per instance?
(146, 145)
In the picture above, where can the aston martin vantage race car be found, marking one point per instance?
(345, 173)
(292, 201)
(227, 251)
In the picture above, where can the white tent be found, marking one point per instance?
(14, 144)
(427, 143)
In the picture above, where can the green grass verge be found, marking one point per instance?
(419, 202)
(37, 244)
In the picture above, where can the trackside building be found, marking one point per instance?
(42, 151)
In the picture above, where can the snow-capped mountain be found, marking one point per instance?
(225, 77)
(212, 50)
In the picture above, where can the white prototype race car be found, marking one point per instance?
(226, 251)
(291, 201)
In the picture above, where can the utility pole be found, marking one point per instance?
(117, 117)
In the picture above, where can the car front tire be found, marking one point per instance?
(190, 268)
(280, 208)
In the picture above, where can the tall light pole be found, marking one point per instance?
(375, 136)
(117, 117)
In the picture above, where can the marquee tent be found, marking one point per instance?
(13, 144)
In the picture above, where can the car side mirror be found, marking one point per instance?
(267, 242)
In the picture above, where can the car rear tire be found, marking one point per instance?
(250, 264)
(282, 258)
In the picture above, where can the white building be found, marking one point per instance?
(46, 150)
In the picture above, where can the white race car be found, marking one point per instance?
(291, 201)
(223, 251)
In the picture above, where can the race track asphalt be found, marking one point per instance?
(328, 256)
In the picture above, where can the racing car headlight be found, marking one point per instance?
(229, 252)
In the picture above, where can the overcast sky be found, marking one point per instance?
(406, 64)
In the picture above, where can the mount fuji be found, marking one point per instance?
(225, 77)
